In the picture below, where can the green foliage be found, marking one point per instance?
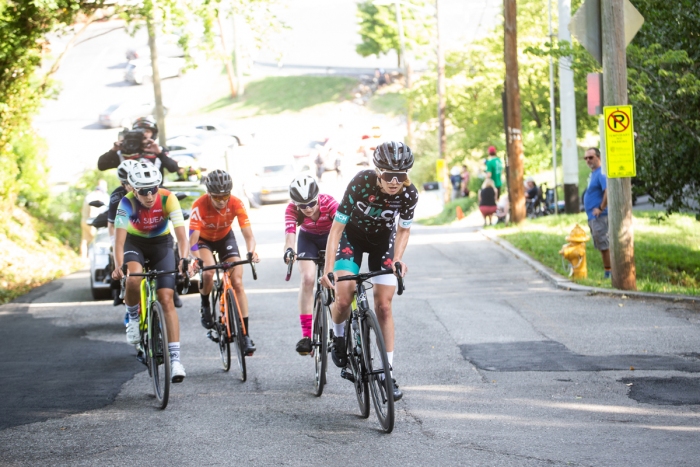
(379, 30)
(276, 94)
(388, 103)
(667, 255)
(474, 83)
(664, 88)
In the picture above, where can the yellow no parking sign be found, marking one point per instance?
(619, 142)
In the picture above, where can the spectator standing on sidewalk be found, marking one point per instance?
(465, 181)
(487, 200)
(456, 181)
(596, 204)
(494, 167)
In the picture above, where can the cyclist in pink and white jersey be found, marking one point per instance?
(313, 213)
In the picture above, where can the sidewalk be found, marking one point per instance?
(562, 282)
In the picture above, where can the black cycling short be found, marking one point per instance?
(226, 248)
(353, 244)
(308, 244)
(155, 253)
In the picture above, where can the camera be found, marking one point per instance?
(133, 141)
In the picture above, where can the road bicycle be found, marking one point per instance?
(322, 335)
(153, 346)
(368, 366)
(229, 327)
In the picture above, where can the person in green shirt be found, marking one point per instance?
(494, 166)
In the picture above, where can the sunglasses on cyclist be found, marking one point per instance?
(220, 198)
(390, 176)
(307, 205)
(147, 191)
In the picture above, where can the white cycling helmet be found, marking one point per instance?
(303, 189)
(144, 175)
(124, 169)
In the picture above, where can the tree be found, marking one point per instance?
(663, 85)
(379, 31)
(475, 77)
(23, 27)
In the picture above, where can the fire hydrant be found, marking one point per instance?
(575, 252)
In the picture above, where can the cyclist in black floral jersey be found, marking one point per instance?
(365, 222)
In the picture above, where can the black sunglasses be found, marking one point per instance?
(307, 205)
(389, 176)
(152, 190)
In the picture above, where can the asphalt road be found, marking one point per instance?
(497, 368)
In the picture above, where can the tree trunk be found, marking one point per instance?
(160, 114)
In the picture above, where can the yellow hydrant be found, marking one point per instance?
(575, 252)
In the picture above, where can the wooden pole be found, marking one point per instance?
(442, 135)
(514, 139)
(624, 275)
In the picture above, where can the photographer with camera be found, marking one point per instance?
(139, 144)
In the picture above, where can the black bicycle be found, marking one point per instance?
(228, 320)
(368, 364)
(154, 332)
(322, 335)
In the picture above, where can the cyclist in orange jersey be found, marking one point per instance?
(210, 230)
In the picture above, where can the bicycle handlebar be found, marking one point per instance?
(226, 266)
(368, 275)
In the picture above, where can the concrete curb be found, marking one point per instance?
(563, 283)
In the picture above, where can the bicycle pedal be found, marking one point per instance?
(346, 374)
(212, 337)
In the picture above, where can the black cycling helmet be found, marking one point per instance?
(219, 182)
(146, 123)
(303, 189)
(393, 155)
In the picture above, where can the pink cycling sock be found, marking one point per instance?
(306, 325)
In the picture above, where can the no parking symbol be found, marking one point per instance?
(619, 142)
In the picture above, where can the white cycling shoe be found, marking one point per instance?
(177, 372)
(132, 333)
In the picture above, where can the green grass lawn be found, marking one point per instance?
(389, 103)
(449, 212)
(277, 94)
(667, 251)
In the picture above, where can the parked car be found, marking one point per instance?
(100, 256)
(139, 70)
(123, 114)
(226, 128)
(271, 179)
(167, 46)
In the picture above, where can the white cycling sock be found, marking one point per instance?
(390, 357)
(339, 329)
(174, 349)
(133, 312)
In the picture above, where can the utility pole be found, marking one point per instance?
(160, 114)
(567, 116)
(442, 136)
(514, 140)
(624, 275)
(552, 114)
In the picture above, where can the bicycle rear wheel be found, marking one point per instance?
(220, 326)
(381, 386)
(236, 332)
(320, 343)
(357, 367)
(159, 355)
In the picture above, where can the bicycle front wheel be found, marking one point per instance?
(220, 324)
(381, 386)
(357, 367)
(159, 355)
(236, 332)
(320, 343)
